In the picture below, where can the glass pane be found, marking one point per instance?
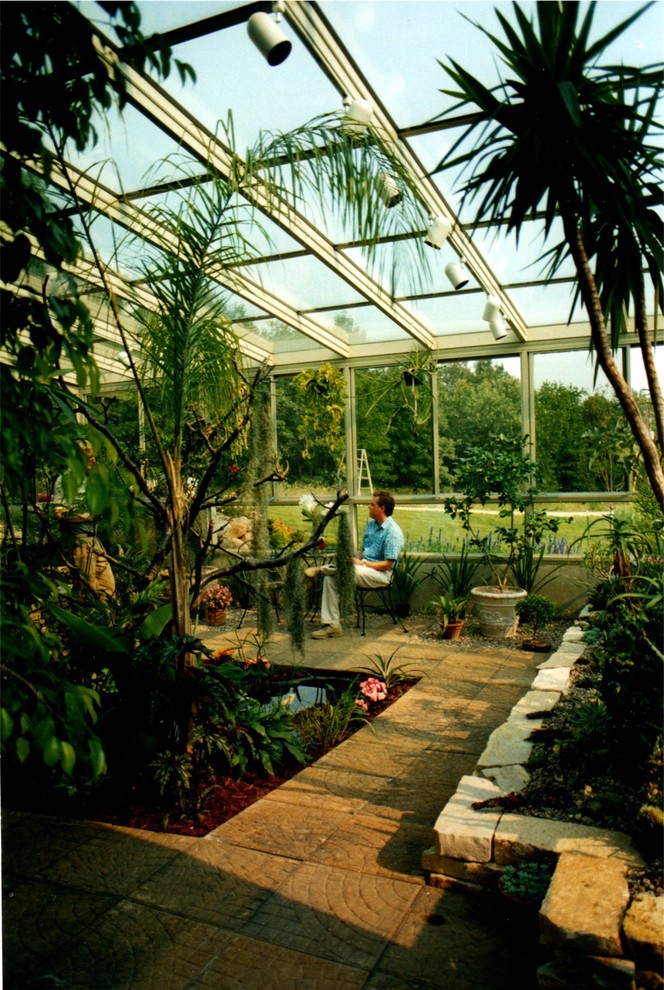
(310, 437)
(476, 399)
(394, 429)
(583, 442)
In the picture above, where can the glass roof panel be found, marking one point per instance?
(397, 45)
(232, 76)
(303, 283)
(364, 324)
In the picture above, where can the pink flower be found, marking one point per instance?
(373, 689)
(361, 703)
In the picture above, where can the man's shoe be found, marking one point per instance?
(327, 632)
(312, 572)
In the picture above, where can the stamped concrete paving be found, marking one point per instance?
(318, 886)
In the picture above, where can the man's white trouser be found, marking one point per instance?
(365, 577)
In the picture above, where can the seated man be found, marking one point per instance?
(382, 543)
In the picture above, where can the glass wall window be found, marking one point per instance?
(476, 399)
(310, 436)
(583, 441)
(394, 414)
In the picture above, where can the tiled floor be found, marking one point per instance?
(318, 886)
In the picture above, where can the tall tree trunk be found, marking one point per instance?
(641, 321)
(178, 571)
(590, 296)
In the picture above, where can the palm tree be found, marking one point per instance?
(563, 135)
(189, 352)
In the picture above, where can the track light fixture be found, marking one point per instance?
(491, 309)
(359, 114)
(493, 317)
(388, 190)
(268, 37)
(439, 229)
(498, 328)
(457, 274)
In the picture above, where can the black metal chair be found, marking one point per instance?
(385, 594)
(273, 589)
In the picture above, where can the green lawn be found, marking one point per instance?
(431, 529)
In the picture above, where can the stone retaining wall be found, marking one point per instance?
(595, 937)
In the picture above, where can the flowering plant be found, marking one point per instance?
(313, 510)
(371, 690)
(215, 597)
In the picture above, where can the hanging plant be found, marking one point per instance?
(323, 398)
(411, 379)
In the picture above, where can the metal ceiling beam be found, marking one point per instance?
(99, 197)
(317, 34)
(153, 101)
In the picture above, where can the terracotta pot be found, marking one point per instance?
(453, 629)
(216, 616)
(535, 646)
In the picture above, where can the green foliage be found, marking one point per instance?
(449, 608)
(399, 448)
(45, 717)
(404, 581)
(387, 669)
(527, 881)
(472, 394)
(323, 402)
(564, 134)
(500, 469)
(456, 574)
(536, 610)
(296, 604)
(345, 575)
(627, 626)
(325, 725)
(406, 387)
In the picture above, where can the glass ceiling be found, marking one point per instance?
(311, 290)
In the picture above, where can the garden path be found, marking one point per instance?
(317, 885)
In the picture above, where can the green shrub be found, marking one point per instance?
(325, 725)
(527, 881)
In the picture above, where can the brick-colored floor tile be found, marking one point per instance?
(334, 913)
(217, 883)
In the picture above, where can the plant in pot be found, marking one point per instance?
(500, 470)
(456, 572)
(536, 611)
(451, 614)
(405, 583)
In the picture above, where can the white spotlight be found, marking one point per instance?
(498, 328)
(123, 358)
(457, 274)
(439, 230)
(491, 309)
(359, 114)
(268, 37)
(388, 190)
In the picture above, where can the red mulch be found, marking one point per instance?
(227, 796)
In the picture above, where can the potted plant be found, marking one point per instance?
(536, 611)
(404, 583)
(456, 572)
(500, 470)
(451, 613)
(215, 601)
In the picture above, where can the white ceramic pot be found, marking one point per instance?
(496, 610)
